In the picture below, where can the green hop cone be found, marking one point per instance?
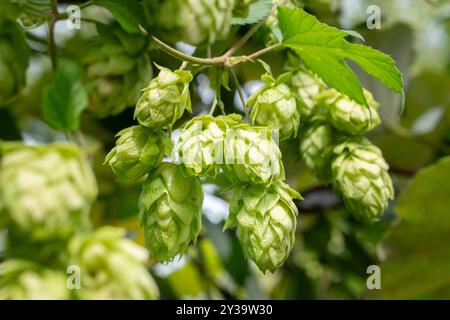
(200, 147)
(24, 280)
(266, 220)
(275, 105)
(14, 55)
(117, 68)
(46, 191)
(348, 116)
(361, 175)
(170, 208)
(195, 22)
(111, 266)
(164, 100)
(138, 150)
(252, 155)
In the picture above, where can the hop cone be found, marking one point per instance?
(200, 147)
(348, 116)
(164, 100)
(193, 21)
(111, 266)
(14, 56)
(266, 219)
(361, 175)
(138, 150)
(252, 155)
(170, 208)
(117, 68)
(23, 280)
(46, 191)
(275, 106)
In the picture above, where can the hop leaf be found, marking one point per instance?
(138, 150)
(266, 219)
(360, 174)
(170, 208)
(164, 100)
(112, 267)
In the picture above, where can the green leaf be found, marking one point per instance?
(128, 13)
(417, 251)
(65, 97)
(323, 49)
(256, 12)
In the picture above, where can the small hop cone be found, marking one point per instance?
(164, 100)
(308, 88)
(46, 191)
(170, 208)
(361, 175)
(200, 147)
(348, 116)
(266, 219)
(111, 266)
(138, 150)
(275, 106)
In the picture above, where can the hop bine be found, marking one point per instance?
(170, 208)
(138, 150)
(360, 174)
(112, 267)
(266, 220)
(164, 100)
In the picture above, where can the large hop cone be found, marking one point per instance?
(46, 191)
(266, 219)
(200, 147)
(192, 21)
(24, 280)
(164, 100)
(117, 68)
(14, 56)
(361, 175)
(348, 116)
(275, 106)
(138, 150)
(252, 155)
(111, 266)
(170, 208)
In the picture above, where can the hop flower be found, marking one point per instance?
(111, 266)
(266, 219)
(193, 21)
(23, 280)
(252, 155)
(46, 191)
(348, 116)
(275, 106)
(200, 147)
(117, 68)
(14, 56)
(170, 208)
(361, 175)
(164, 100)
(138, 150)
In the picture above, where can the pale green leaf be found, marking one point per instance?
(128, 13)
(257, 11)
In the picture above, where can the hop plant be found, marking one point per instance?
(164, 100)
(200, 147)
(266, 220)
(195, 22)
(111, 266)
(170, 208)
(117, 68)
(24, 280)
(360, 174)
(46, 191)
(138, 150)
(275, 106)
(14, 55)
(348, 116)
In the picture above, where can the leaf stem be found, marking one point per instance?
(51, 33)
(239, 90)
(244, 39)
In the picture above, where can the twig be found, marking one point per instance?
(239, 90)
(51, 33)
(244, 39)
